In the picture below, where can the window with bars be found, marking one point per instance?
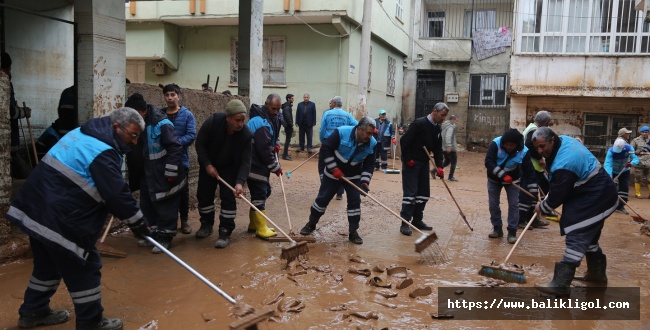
(273, 60)
(392, 67)
(399, 9)
(488, 90)
(436, 24)
(484, 19)
(582, 27)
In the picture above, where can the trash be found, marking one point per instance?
(276, 299)
(364, 271)
(404, 284)
(378, 282)
(442, 316)
(421, 292)
(397, 272)
(366, 315)
(291, 305)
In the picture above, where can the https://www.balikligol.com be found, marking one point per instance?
(499, 303)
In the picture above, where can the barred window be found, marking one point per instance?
(392, 67)
(436, 24)
(488, 90)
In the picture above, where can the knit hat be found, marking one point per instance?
(619, 144)
(644, 129)
(137, 102)
(234, 107)
(623, 131)
(382, 112)
(513, 135)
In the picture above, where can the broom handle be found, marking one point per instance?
(306, 160)
(462, 215)
(108, 227)
(524, 190)
(191, 270)
(628, 206)
(256, 209)
(520, 236)
(382, 205)
(31, 137)
(544, 195)
(284, 195)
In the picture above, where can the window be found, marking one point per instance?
(273, 60)
(485, 19)
(399, 9)
(488, 90)
(436, 25)
(600, 130)
(582, 26)
(392, 66)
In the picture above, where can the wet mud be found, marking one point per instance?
(381, 284)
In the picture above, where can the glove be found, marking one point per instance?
(394, 141)
(507, 179)
(337, 173)
(140, 228)
(376, 131)
(410, 163)
(171, 179)
(276, 148)
(364, 187)
(628, 164)
(278, 172)
(440, 172)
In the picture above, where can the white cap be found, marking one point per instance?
(619, 144)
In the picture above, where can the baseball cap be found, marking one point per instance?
(619, 144)
(623, 131)
(644, 129)
(382, 112)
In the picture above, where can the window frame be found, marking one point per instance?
(391, 73)
(442, 19)
(269, 66)
(494, 94)
(399, 9)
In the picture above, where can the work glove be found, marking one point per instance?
(276, 149)
(440, 172)
(507, 179)
(410, 163)
(364, 187)
(628, 164)
(376, 131)
(140, 228)
(337, 173)
(278, 172)
(394, 141)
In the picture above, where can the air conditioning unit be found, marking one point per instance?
(159, 68)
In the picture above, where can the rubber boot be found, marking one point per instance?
(419, 224)
(560, 285)
(637, 190)
(596, 266)
(224, 238)
(262, 231)
(251, 224)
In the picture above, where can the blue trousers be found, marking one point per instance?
(82, 280)
(623, 187)
(581, 241)
(205, 193)
(494, 195)
(381, 153)
(328, 188)
(305, 131)
(415, 190)
(260, 191)
(162, 215)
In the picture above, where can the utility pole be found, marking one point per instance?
(251, 27)
(364, 65)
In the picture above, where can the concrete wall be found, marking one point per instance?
(42, 53)
(5, 157)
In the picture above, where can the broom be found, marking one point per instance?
(421, 243)
(251, 318)
(462, 215)
(500, 272)
(289, 253)
(393, 170)
(106, 250)
(301, 164)
(638, 217)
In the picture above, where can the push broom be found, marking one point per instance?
(393, 170)
(301, 164)
(500, 272)
(637, 217)
(249, 321)
(289, 253)
(106, 250)
(462, 215)
(421, 243)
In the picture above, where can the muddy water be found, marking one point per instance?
(153, 292)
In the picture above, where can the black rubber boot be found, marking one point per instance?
(596, 266)
(419, 224)
(308, 228)
(204, 231)
(497, 232)
(103, 324)
(224, 238)
(47, 317)
(560, 285)
(355, 238)
(405, 229)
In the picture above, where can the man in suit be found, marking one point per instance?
(306, 120)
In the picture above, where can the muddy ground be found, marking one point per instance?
(153, 292)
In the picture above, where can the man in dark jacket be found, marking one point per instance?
(426, 132)
(306, 120)
(588, 195)
(63, 206)
(264, 124)
(155, 166)
(287, 123)
(66, 122)
(223, 147)
(348, 152)
(385, 136)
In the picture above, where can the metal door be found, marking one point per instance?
(430, 90)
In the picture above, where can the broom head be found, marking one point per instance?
(292, 252)
(638, 218)
(393, 171)
(108, 251)
(425, 241)
(499, 273)
(250, 321)
(288, 175)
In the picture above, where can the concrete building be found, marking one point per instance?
(587, 62)
(308, 47)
